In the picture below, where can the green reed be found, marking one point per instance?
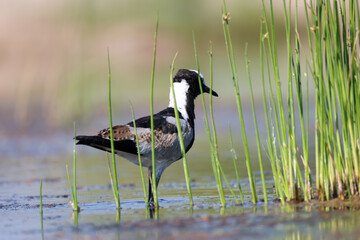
(113, 175)
(213, 143)
(256, 127)
(335, 58)
(283, 164)
(139, 156)
(234, 157)
(333, 41)
(153, 185)
(72, 186)
(180, 136)
(231, 59)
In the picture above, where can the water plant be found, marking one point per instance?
(213, 147)
(113, 173)
(234, 157)
(153, 172)
(180, 136)
(139, 156)
(217, 169)
(235, 79)
(256, 126)
(335, 69)
(333, 42)
(74, 204)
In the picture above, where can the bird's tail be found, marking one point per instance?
(94, 141)
(105, 144)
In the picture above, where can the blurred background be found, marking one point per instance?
(53, 61)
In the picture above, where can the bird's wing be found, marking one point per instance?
(120, 132)
(161, 122)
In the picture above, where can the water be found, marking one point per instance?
(21, 171)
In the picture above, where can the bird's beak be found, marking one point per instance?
(206, 89)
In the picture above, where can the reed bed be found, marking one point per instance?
(333, 42)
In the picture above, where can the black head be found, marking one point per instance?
(192, 78)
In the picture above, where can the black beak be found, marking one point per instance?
(206, 89)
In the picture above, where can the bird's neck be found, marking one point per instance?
(184, 101)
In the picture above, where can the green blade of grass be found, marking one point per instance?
(180, 136)
(114, 175)
(231, 59)
(213, 144)
(256, 127)
(139, 155)
(234, 157)
(154, 187)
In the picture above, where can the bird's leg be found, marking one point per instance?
(150, 195)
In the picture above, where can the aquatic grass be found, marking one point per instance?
(180, 136)
(214, 153)
(256, 126)
(139, 155)
(284, 163)
(336, 74)
(231, 59)
(213, 140)
(74, 204)
(234, 157)
(296, 65)
(271, 152)
(113, 175)
(287, 175)
(153, 181)
(333, 45)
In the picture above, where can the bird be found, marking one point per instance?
(166, 140)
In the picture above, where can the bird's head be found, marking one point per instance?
(189, 80)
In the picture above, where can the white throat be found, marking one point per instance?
(181, 90)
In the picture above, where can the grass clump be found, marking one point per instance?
(231, 59)
(333, 41)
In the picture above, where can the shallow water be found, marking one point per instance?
(21, 171)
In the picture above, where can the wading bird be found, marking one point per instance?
(167, 145)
